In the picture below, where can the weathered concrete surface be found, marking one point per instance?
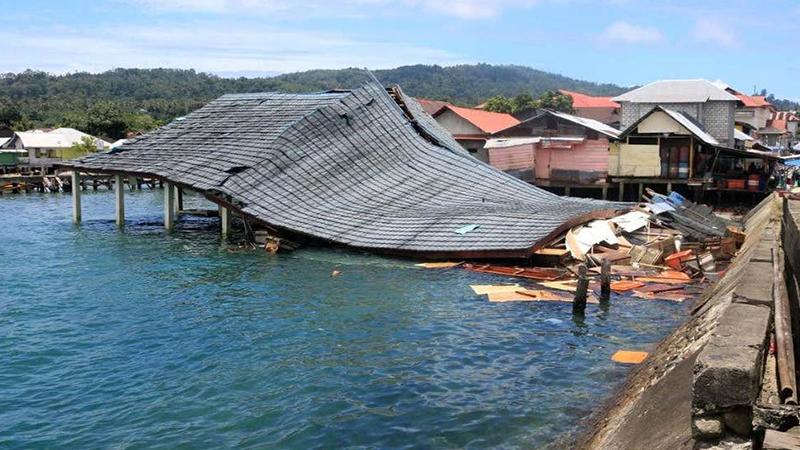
(654, 408)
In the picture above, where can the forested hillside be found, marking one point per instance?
(112, 103)
(115, 102)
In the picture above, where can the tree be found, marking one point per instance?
(105, 119)
(556, 101)
(500, 104)
(86, 145)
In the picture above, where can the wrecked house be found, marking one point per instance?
(554, 147)
(364, 168)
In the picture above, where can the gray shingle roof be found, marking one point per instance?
(351, 168)
(676, 91)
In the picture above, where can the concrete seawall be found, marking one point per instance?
(714, 380)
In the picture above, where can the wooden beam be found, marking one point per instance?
(169, 205)
(76, 196)
(119, 194)
(621, 190)
(225, 220)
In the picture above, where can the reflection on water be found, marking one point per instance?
(140, 338)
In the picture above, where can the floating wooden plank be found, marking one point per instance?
(625, 285)
(483, 289)
(532, 295)
(628, 357)
(534, 273)
(569, 286)
(439, 265)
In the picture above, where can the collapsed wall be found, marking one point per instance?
(703, 382)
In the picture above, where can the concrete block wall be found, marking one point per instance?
(728, 370)
(717, 117)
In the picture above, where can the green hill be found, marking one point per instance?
(112, 103)
(121, 100)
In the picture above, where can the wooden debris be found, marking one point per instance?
(629, 357)
(335, 273)
(439, 265)
(483, 289)
(624, 285)
(531, 295)
(535, 273)
(569, 286)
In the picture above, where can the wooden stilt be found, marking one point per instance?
(132, 183)
(169, 206)
(579, 302)
(605, 280)
(567, 191)
(119, 191)
(225, 220)
(621, 190)
(669, 187)
(76, 197)
(641, 192)
(605, 192)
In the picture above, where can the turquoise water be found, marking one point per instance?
(144, 339)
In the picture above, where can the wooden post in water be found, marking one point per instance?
(605, 280)
(76, 196)
(169, 205)
(579, 302)
(132, 183)
(225, 220)
(119, 195)
(621, 190)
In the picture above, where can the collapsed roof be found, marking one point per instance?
(364, 168)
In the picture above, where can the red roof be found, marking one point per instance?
(754, 101)
(431, 106)
(780, 119)
(587, 101)
(488, 122)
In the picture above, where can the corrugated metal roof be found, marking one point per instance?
(58, 138)
(676, 91)
(587, 101)
(486, 121)
(754, 101)
(588, 123)
(741, 135)
(690, 124)
(351, 168)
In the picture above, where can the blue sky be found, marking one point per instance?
(745, 43)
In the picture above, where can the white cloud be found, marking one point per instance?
(713, 32)
(464, 9)
(212, 47)
(628, 33)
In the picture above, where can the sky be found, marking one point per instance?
(627, 42)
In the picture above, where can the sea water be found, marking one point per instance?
(139, 338)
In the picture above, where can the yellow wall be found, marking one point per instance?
(613, 159)
(660, 122)
(68, 153)
(639, 160)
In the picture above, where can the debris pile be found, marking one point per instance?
(664, 248)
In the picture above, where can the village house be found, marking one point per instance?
(704, 102)
(780, 131)
(554, 149)
(601, 109)
(671, 147)
(45, 147)
(472, 127)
